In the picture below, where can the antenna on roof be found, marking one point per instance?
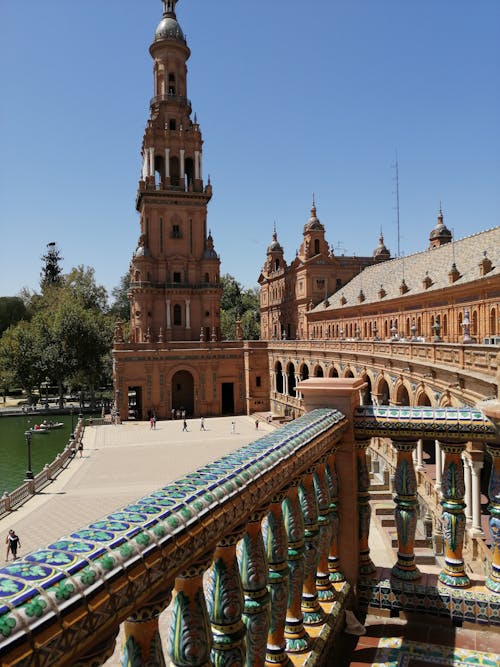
(396, 168)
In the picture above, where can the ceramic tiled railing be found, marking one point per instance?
(62, 605)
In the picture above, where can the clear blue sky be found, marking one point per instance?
(293, 97)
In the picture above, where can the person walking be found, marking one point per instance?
(233, 428)
(202, 424)
(13, 544)
(184, 425)
(256, 424)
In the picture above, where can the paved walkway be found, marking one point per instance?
(119, 465)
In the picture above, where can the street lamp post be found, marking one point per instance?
(72, 423)
(29, 472)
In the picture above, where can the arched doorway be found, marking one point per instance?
(383, 392)
(348, 373)
(402, 396)
(304, 372)
(424, 400)
(318, 372)
(183, 392)
(333, 372)
(366, 394)
(279, 377)
(290, 371)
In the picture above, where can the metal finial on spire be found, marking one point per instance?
(169, 6)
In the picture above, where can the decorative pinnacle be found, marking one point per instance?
(169, 7)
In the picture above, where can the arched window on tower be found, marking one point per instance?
(174, 171)
(316, 246)
(171, 84)
(189, 172)
(177, 315)
(159, 170)
(493, 322)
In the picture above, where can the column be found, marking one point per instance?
(169, 322)
(285, 382)
(313, 613)
(333, 554)
(275, 541)
(151, 161)
(142, 641)
(167, 162)
(366, 565)
(468, 489)
(297, 639)
(420, 454)
(493, 580)
(190, 635)
(182, 168)
(406, 512)
(453, 517)
(225, 603)
(439, 465)
(326, 592)
(254, 579)
(273, 381)
(188, 314)
(197, 165)
(476, 529)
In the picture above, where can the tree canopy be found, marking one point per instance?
(240, 303)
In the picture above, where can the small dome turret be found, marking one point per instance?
(209, 252)
(381, 253)
(440, 234)
(274, 245)
(313, 224)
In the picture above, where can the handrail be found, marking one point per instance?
(61, 592)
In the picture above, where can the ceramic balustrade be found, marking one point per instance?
(254, 578)
(366, 566)
(117, 569)
(406, 510)
(334, 564)
(324, 587)
(453, 515)
(296, 637)
(311, 609)
(493, 580)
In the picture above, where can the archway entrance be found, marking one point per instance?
(183, 392)
(228, 398)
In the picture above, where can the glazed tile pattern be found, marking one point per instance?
(412, 423)
(473, 606)
(141, 547)
(398, 652)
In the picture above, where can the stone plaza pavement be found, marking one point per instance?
(121, 464)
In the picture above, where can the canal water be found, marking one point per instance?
(13, 449)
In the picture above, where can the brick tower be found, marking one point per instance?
(174, 359)
(175, 289)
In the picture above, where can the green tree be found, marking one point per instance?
(239, 303)
(51, 273)
(20, 357)
(120, 306)
(82, 284)
(12, 310)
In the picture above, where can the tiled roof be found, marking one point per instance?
(466, 253)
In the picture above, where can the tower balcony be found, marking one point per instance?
(179, 100)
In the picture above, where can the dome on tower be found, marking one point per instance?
(168, 27)
(313, 224)
(274, 245)
(440, 234)
(381, 252)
